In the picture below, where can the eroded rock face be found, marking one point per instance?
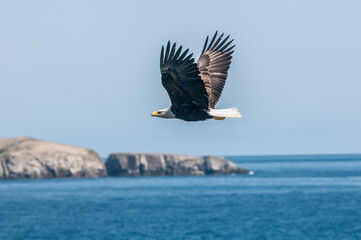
(30, 158)
(143, 164)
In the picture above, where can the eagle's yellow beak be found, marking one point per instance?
(155, 114)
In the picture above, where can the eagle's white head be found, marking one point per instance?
(163, 113)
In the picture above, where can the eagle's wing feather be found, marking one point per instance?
(181, 77)
(213, 65)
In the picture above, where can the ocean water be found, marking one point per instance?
(288, 197)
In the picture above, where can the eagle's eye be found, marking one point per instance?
(159, 112)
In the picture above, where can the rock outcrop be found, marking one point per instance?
(142, 164)
(30, 158)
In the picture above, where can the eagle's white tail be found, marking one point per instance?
(223, 113)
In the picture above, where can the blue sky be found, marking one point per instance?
(87, 73)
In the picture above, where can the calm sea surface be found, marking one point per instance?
(288, 197)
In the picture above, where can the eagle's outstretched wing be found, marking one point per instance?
(181, 78)
(213, 65)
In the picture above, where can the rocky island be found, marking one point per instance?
(142, 164)
(26, 157)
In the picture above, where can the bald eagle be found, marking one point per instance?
(194, 88)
